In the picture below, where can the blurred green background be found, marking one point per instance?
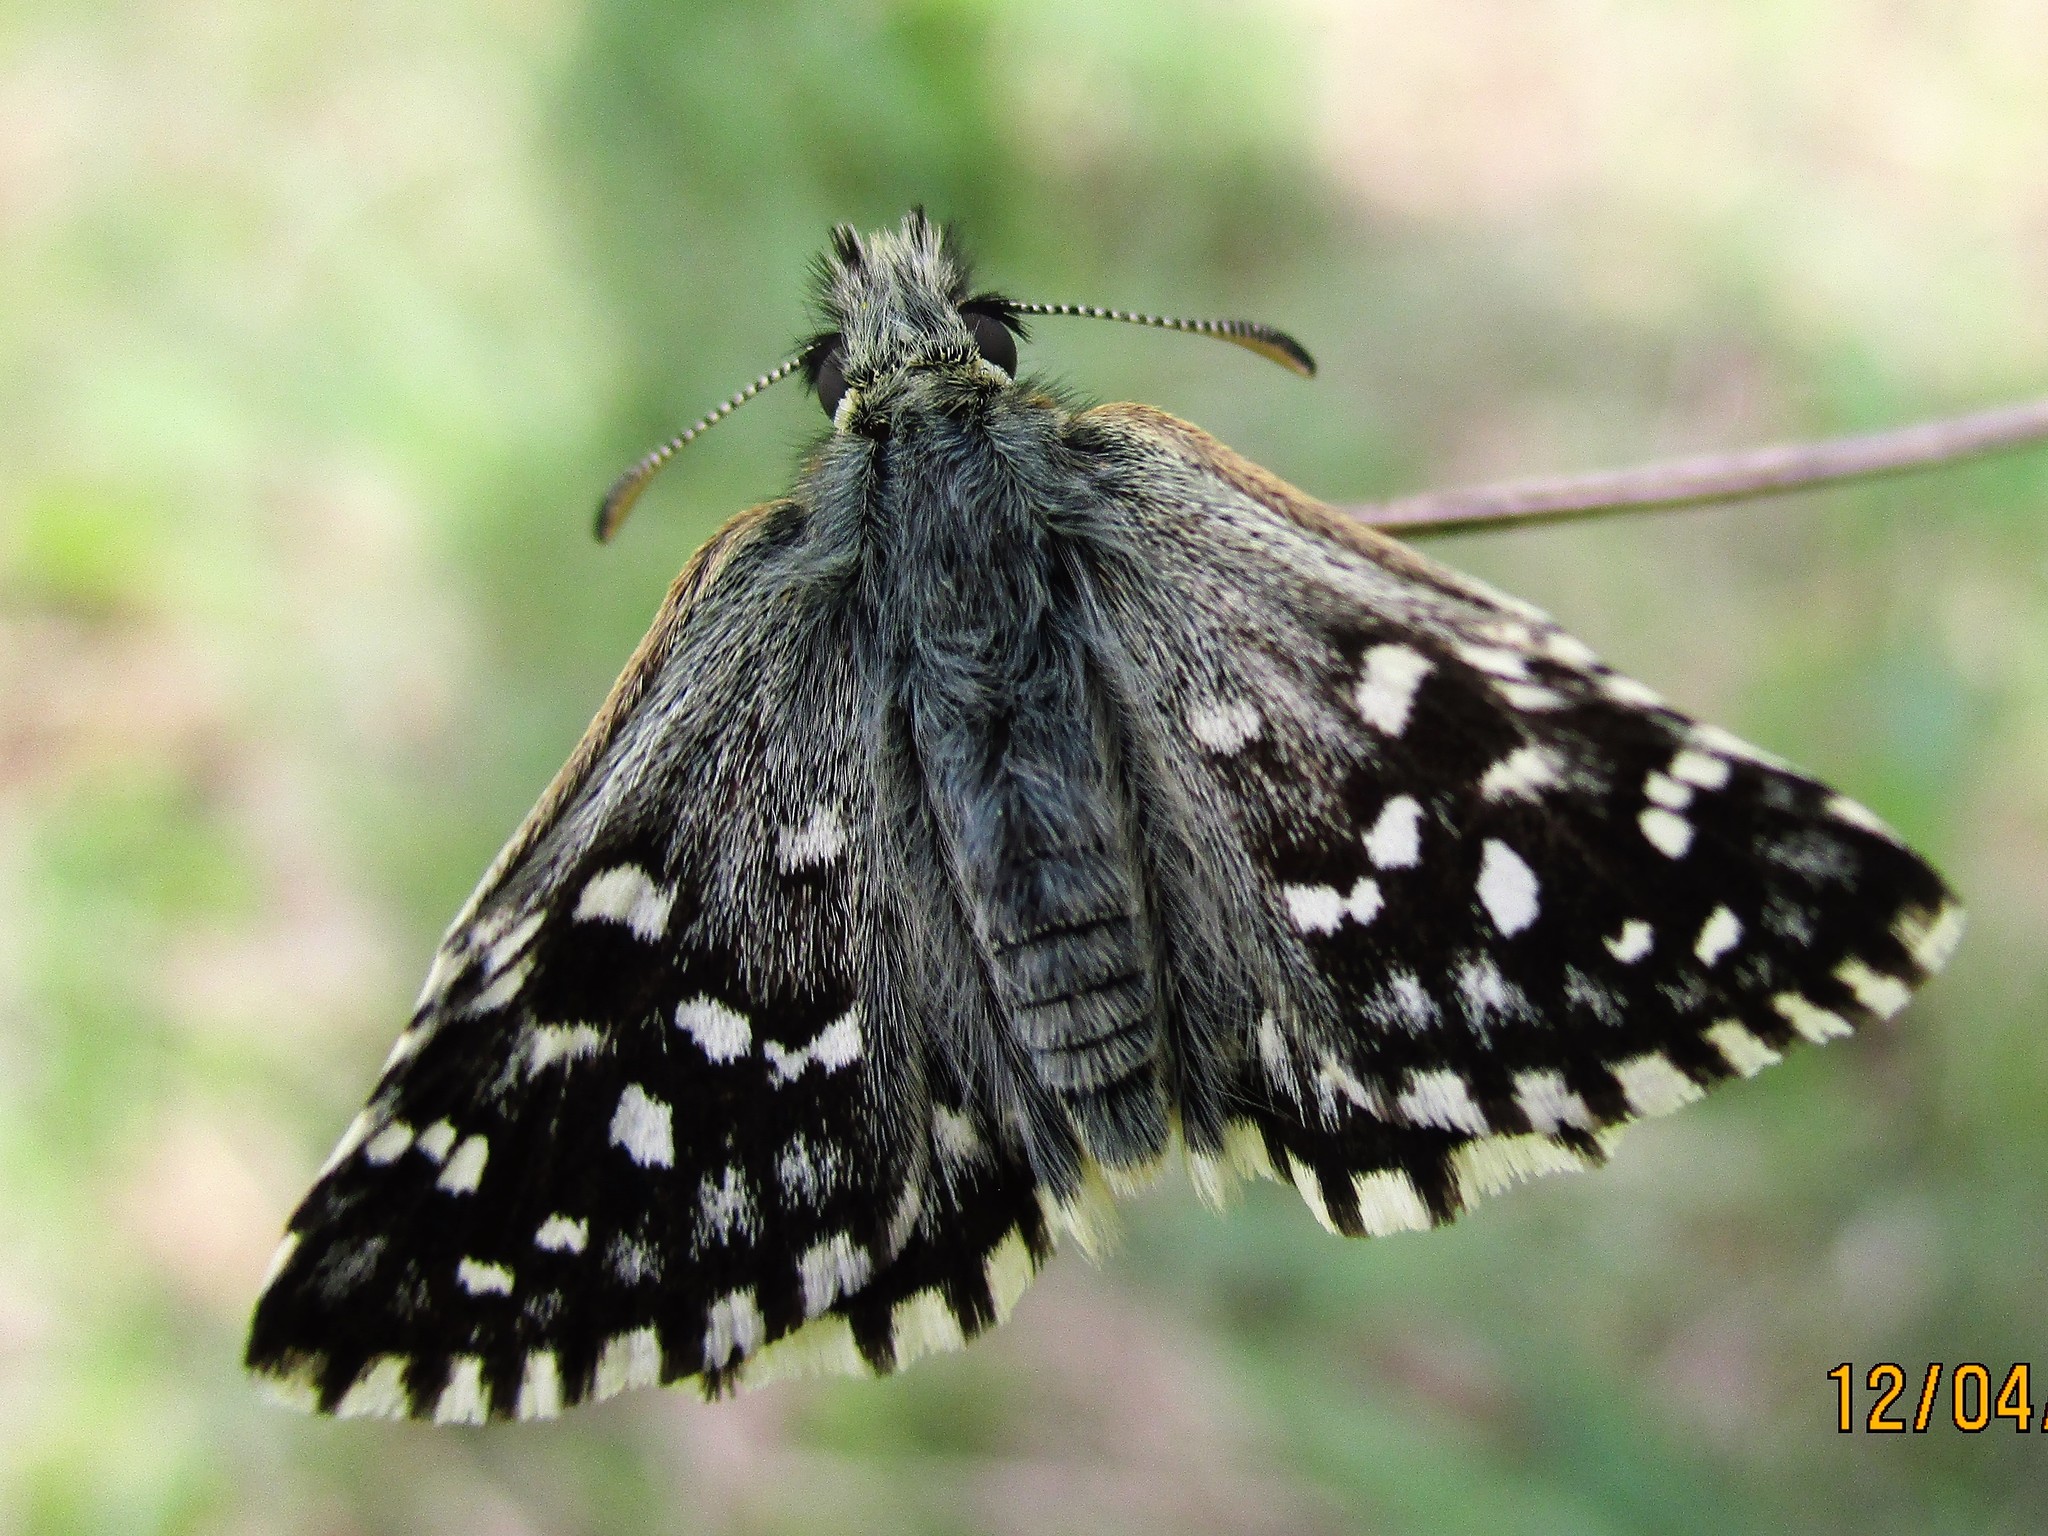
(322, 326)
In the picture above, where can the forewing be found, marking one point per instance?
(1517, 899)
(659, 1106)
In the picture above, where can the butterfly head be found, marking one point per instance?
(905, 333)
(904, 327)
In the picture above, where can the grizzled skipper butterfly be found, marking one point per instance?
(1027, 790)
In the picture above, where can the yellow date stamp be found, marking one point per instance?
(1965, 1389)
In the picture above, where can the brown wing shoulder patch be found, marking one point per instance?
(648, 658)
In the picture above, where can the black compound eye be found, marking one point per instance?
(829, 379)
(993, 338)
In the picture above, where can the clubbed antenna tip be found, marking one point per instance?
(625, 491)
(1273, 345)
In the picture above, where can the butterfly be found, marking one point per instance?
(1030, 792)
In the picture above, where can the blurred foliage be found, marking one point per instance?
(324, 326)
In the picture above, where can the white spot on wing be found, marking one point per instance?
(482, 1279)
(1323, 909)
(818, 841)
(540, 1386)
(1395, 841)
(378, 1391)
(642, 1125)
(1930, 939)
(1273, 1055)
(924, 1324)
(834, 1268)
(1494, 1163)
(562, 1234)
(1740, 1049)
(503, 990)
(1314, 908)
(389, 1144)
(1662, 789)
(1568, 649)
(1715, 739)
(505, 950)
(1225, 728)
(954, 1136)
(1883, 995)
(1008, 1272)
(462, 1400)
(1721, 932)
(1507, 887)
(435, 1140)
(1489, 997)
(1309, 1185)
(1627, 691)
(629, 1360)
(1594, 996)
(733, 1329)
(823, 1346)
(547, 1044)
(903, 1220)
(1335, 1080)
(1697, 768)
(721, 1033)
(1809, 1018)
(1389, 1202)
(1508, 632)
(408, 1041)
(627, 894)
(838, 1045)
(1441, 1099)
(465, 1168)
(1494, 660)
(1669, 833)
(1532, 697)
(1652, 1085)
(1386, 688)
(1632, 943)
(1550, 1103)
(1524, 773)
(1404, 1002)
(807, 1173)
(633, 1261)
(724, 1207)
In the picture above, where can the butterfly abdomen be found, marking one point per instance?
(1041, 866)
(1016, 771)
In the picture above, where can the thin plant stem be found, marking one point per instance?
(1713, 477)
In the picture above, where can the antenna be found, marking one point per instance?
(1273, 345)
(618, 501)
